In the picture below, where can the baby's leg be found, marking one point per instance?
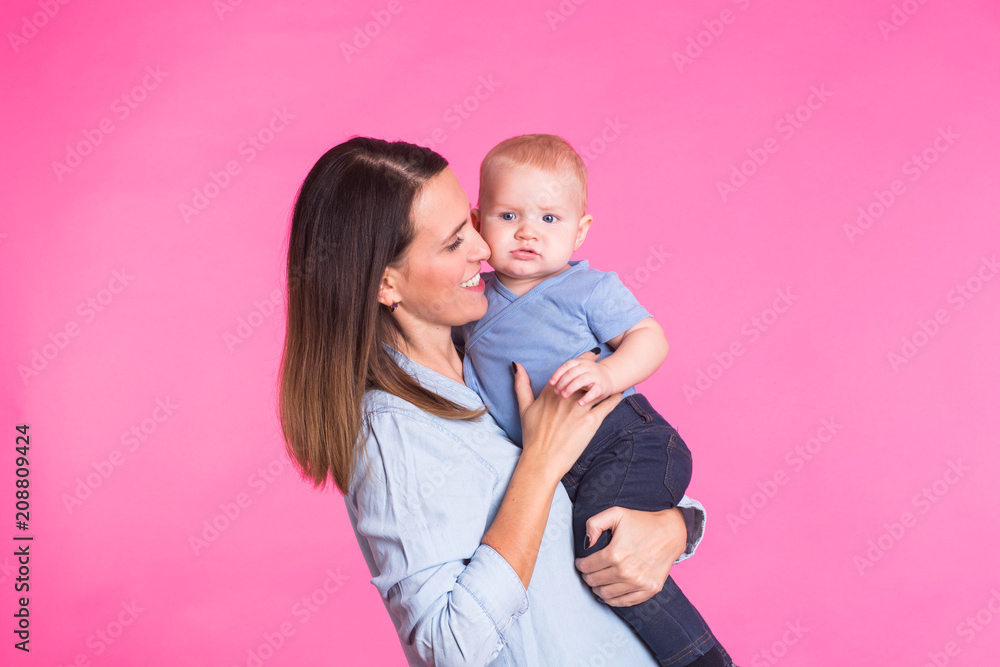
(646, 467)
(636, 460)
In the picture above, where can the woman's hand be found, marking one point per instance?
(555, 430)
(634, 566)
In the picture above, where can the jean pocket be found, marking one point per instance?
(679, 468)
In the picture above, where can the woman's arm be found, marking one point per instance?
(418, 505)
(644, 547)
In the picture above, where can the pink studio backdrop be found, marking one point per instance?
(804, 194)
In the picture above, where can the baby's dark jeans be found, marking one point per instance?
(638, 461)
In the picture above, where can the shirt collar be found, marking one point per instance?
(574, 266)
(434, 381)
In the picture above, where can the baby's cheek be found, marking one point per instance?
(492, 235)
(492, 245)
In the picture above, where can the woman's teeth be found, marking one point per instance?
(471, 282)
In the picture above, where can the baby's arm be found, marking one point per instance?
(639, 351)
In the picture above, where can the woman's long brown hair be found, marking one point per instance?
(351, 220)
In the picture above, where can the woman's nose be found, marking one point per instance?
(479, 250)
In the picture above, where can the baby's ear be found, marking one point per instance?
(476, 221)
(581, 231)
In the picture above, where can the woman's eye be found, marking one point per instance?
(503, 216)
(454, 246)
(548, 217)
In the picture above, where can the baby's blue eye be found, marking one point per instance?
(548, 217)
(503, 216)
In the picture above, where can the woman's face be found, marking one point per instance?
(437, 284)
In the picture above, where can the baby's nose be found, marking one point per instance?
(525, 230)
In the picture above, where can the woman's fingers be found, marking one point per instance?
(522, 388)
(610, 587)
(604, 408)
(628, 599)
(555, 427)
(631, 568)
(598, 569)
(620, 590)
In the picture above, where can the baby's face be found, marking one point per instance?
(532, 221)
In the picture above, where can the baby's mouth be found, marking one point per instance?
(524, 253)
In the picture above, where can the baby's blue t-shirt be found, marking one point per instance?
(558, 319)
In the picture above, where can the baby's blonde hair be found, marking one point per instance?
(543, 151)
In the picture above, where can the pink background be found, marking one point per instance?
(877, 548)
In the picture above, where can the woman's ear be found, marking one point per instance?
(581, 231)
(387, 289)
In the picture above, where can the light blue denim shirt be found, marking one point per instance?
(424, 493)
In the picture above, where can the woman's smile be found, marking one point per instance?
(473, 283)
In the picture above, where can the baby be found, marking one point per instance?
(545, 309)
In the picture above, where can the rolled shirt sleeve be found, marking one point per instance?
(694, 519)
(417, 507)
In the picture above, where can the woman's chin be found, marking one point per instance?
(478, 311)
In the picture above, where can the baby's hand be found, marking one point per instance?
(582, 374)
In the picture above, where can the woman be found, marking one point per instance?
(454, 520)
